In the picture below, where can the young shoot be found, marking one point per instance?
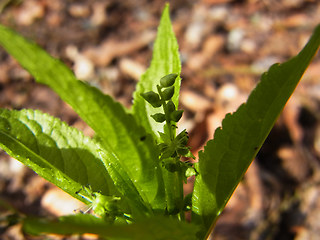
(172, 147)
(103, 206)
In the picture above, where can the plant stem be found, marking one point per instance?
(167, 115)
(173, 180)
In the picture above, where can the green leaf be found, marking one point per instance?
(149, 228)
(129, 147)
(165, 60)
(57, 152)
(226, 158)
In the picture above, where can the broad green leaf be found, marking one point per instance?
(129, 147)
(226, 158)
(57, 152)
(165, 60)
(148, 228)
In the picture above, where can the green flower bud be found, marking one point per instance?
(102, 204)
(168, 80)
(190, 172)
(183, 141)
(182, 134)
(176, 115)
(168, 93)
(159, 117)
(190, 155)
(156, 104)
(182, 138)
(183, 151)
(162, 146)
(151, 97)
(168, 152)
(171, 107)
(171, 165)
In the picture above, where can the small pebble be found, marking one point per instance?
(131, 68)
(194, 101)
(235, 38)
(29, 12)
(83, 66)
(79, 10)
(60, 203)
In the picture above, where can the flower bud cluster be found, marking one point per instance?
(163, 98)
(171, 147)
(176, 147)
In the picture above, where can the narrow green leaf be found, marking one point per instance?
(57, 152)
(149, 228)
(226, 158)
(133, 151)
(165, 60)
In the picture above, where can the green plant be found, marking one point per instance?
(130, 172)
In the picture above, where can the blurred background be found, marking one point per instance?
(225, 46)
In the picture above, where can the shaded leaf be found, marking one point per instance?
(149, 228)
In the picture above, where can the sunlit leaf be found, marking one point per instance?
(226, 158)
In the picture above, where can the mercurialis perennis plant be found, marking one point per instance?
(131, 174)
(171, 147)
